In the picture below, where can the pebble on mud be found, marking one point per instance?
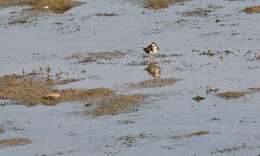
(198, 98)
(52, 96)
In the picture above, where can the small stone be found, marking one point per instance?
(198, 98)
(52, 96)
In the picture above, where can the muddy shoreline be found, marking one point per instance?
(74, 78)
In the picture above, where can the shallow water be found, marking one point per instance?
(65, 130)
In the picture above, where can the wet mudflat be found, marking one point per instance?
(74, 79)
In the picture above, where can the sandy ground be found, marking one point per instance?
(169, 122)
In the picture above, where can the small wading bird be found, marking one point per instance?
(151, 49)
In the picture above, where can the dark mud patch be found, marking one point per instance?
(131, 140)
(32, 91)
(237, 94)
(137, 63)
(160, 4)
(201, 12)
(252, 10)
(211, 53)
(114, 105)
(14, 142)
(194, 134)
(106, 14)
(164, 58)
(125, 122)
(169, 55)
(98, 57)
(153, 83)
(55, 6)
(123, 142)
(233, 148)
(18, 21)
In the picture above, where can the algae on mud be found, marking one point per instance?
(18, 2)
(252, 10)
(14, 142)
(237, 94)
(39, 87)
(30, 91)
(160, 4)
(186, 136)
(153, 83)
(232, 94)
(55, 6)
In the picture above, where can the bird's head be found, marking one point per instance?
(154, 45)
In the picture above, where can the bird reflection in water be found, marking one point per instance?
(154, 70)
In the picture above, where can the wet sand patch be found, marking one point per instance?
(114, 105)
(153, 83)
(14, 142)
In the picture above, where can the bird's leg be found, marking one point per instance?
(150, 59)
